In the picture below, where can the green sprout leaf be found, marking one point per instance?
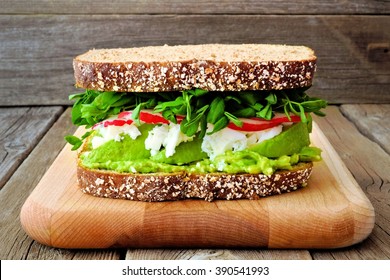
(198, 106)
(75, 141)
(217, 109)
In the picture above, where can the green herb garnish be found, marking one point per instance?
(198, 106)
(75, 141)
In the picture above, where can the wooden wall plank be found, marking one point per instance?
(21, 129)
(15, 244)
(36, 51)
(195, 7)
(370, 166)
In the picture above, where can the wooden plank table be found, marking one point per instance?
(354, 130)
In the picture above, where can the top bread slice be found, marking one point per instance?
(213, 67)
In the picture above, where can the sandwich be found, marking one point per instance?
(213, 121)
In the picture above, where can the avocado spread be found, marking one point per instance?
(280, 152)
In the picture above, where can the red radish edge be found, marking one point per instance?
(249, 124)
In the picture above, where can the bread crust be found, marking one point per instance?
(163, 187)
(208, 74)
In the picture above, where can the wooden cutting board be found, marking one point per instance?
(331, 212)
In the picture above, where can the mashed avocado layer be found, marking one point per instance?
(130, 155)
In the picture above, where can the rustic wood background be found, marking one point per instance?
(38, 39)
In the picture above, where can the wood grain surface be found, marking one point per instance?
(201, 7)
(369, 120)
(216, 254)
(370, 166)
(37, 51)
(20, 130)
(14, 242)
(357, 153)
(332, 212)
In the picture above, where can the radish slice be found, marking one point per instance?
(257, 124)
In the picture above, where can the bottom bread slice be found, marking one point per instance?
(176, 186)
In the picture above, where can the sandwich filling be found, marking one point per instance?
(195, 132)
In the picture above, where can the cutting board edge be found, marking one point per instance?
(36, 221)
(364, 218)
(359, 204)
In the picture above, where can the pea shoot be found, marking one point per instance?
(198, 106)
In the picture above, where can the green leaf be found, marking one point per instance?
(248, 112)
(93, 106)
(271, 98)
(124, 100)
(265, 113)
(75, 141)
(233, 98)
(189, 128)
(257, 106)
(302, 113)
(217, 109)
(178, 102)
(234, 119)
(76, 95)
(250, 98)
(115, 111)
(169, 115)
(310, 154)
(179, 110)
(203, 126)
(286, 112)
(136, 112)
(76, 146)
(76, 114)
(167, 95)
(92, 115)
(86, 134)
(187, 103)
(197, 92)
(110, 97)
(319, 113)
(220, 124)
(292, 109)
(202, 110)
(71, 139)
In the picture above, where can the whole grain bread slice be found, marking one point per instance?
(177, 186)
(213, 67)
